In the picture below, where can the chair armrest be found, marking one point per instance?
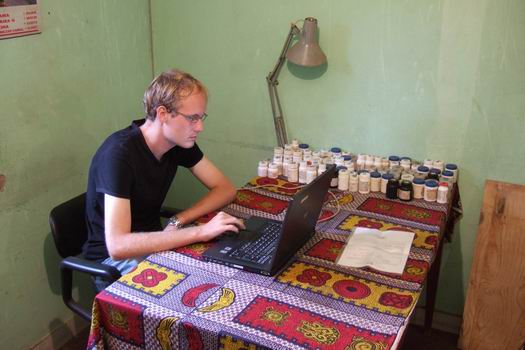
(168, 212)
(109, 273)
(93, 268)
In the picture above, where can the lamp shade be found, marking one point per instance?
(307, 52)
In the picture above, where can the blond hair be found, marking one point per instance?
(169, 89)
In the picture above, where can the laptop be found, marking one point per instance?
(267, 245)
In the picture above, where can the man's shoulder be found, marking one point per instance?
(121, 143)
(187, 157)
(127, 137)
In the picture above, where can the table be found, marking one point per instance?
(175, 300)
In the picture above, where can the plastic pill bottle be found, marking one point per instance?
(423, 170)
(384, 181)
(364, 182)
(430, 193)
(434, 174)
(286, 166)
(369, 162)
(297, 156)
(311, 174)
(454, 169)
(336, 152)
(438, 164)
(273, 171)
(335, 178)
(442, 193)
(447, 176)
(405, 191)
(407, 176)
(391, 188)
(405, 162)
(353, 185)
(343, 179)
(302, 172)
(321, 168)
(375, 181)
(262, 169)
(385, 164)
(293, 172)
(418, 186)
(378, 163)
(393, 161)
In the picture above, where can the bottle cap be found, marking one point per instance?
(434, 171)
(375, 174)
(418, 181)
(303, 146)
(335, 150)
(451, 166)
(393, 158)
(422, 168)
(448, 173)
(387, 176)
(431, 183)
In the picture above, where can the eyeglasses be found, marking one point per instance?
(194, 118)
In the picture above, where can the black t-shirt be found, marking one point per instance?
(125, 167)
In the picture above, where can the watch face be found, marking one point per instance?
(174, 221)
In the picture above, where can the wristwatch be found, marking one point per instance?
(174, 221)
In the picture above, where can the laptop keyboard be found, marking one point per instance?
(260, 250)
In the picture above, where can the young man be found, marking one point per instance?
(132, 171)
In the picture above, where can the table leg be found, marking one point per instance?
(432, 283)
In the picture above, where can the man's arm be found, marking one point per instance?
(122, 244)
(221, 191)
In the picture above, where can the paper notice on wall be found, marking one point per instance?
(19, 18)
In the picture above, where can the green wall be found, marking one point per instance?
(438, 79)
(61, 93)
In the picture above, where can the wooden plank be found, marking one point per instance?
(494, 314)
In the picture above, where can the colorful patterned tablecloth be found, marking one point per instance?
(175, 300)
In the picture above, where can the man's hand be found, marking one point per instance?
(221, 223)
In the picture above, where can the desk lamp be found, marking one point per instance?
(306, 52)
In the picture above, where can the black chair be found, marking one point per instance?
(68, 226)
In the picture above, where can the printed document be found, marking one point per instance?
(381, 250)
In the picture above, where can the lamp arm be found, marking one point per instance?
(272, 81)
(272, 77)
(280, 129)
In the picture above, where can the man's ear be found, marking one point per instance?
(162, 114)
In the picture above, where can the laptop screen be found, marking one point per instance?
(302, 215)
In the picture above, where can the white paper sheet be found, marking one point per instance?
(381, 250)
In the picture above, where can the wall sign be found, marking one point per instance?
(19, 18)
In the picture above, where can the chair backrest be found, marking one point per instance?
(68, 226)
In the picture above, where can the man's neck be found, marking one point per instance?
(152, 132)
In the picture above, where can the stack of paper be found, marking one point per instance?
(381, 250)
